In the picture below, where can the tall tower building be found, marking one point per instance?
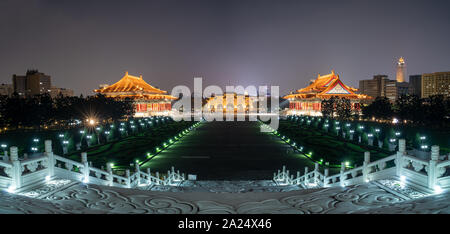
(401, 71)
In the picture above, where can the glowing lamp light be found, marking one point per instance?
(91, 121)
(61, 135)
(11, 189)
(370, 135)
(437, 189)
(424, 146)
(423, 138)
(85, 180)
(397, 133)
(4, 146)
(34, 149)
(394, 120)
(36, 140)
(377, 130)
(98, 129)
(352, 131)
(89, 137)
(347, 164)
(65, 142)
(392, 140)
(82, 132)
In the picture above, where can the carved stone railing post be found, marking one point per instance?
(138, 173)
(399, 157)
(298, 178)
(305, 180)
(149, 176)
(5, 156)
(365, 169)
(157, 176)
(316, 170)
(325, 175)
(127, 181)
(16, 171)
(432, 166)
(85, 167)
(50, 158)
(342, 174)
(110, 174)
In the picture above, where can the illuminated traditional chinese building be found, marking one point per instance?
(148, 100)
(307, 101)
(241, 103)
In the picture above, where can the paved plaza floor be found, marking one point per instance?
(229, 151)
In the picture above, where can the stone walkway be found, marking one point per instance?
(224, 197)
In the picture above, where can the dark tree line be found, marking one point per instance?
(42, 110)
(340, 108)
(434, 110)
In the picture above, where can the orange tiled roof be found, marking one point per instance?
(325, 87)
(130, 83)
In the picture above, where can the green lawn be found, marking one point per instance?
(327, 146)
(127, 150)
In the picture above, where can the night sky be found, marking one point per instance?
(82, 44)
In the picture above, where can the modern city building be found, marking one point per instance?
(6, 89)
(33, 83)
(55, 92)
(308, 101)
(148, 100)
(403, 88)
(401, 70)
(379, 86)
(437, 83)
(415, 82)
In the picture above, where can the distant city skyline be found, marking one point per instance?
(82, 44)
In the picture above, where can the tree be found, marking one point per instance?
(328, 107)
(343, 108)
(381, 108)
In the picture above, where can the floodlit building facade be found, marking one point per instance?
(308, 101)
(33, 83)
(437, 83)
(379, 86)
(148, 100)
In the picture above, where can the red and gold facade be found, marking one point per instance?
(148, 100)
(308, 101)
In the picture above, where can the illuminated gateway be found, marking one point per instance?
(148, 100)
(307, 101)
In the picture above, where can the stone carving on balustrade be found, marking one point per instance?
(7, 171)
(417, 166)
(69, 166)
(32, 166)
(381, 165)
(441, 171)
